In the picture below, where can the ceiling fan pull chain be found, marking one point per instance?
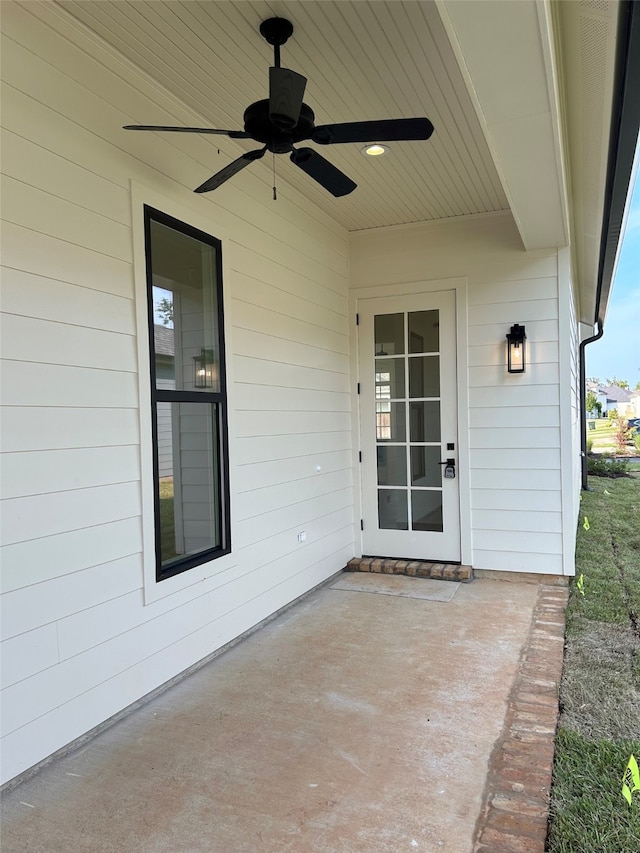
(275, 194)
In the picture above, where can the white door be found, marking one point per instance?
(408, 427)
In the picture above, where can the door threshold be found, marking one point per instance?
(412, 568)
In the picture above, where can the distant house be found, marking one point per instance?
(614, 398)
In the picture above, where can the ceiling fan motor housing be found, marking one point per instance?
(279, 140)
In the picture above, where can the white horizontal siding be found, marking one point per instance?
(50, 601)
(67, 427)
(35, 340)
(258, 501)
(267, 447)
(293, 517)
(524, 437)
(258, 371)
(286, 423)
(257, 475)
(53, 385)
(251, 342)
(44, 298)
(50, 471)
(73, 514)
(518, 561)
(522, 500)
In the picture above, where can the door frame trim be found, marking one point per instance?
(459, 285)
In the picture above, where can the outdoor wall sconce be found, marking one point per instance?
(203, 369)
(516, 349)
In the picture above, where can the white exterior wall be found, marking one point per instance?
(84, 634)
(517, 517)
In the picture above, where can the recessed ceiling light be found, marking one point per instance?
(375, 150)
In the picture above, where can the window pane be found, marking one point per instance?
(424, 376)
(390, 421)
(424, 331)
(185, 310)
(389, 378)
(392, 466)
(425, 421)
(392, 509)
(389, 334)
(189, 487)
(426, 511)
(425, 470)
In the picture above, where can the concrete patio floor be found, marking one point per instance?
(354, 721)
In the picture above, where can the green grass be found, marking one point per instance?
(599, 725)
(167, 521)
(590, 814)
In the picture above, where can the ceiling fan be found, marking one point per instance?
(283, 120)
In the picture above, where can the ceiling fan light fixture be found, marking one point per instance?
(375, 150)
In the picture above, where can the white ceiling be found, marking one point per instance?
(519, 92)
(363, 60)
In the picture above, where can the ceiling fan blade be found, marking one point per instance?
(286, 91)
(322, 171)
(387, 130)
(234, 134)
(230, 170)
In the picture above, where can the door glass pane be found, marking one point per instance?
(426, 510)
(390, 421)
(425, 470)
(389, 334)
(389, 378)
(424, 331)
(392, 509)
(424, 376)
(425, 421)
(189, 482)
(392, 466)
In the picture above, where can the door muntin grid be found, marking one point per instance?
(408, 426)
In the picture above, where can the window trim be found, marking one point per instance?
(150, 214)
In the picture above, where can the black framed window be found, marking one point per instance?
(188, 394)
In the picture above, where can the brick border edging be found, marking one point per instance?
(412, 568)
(515, 809)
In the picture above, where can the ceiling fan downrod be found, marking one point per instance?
(276, 31)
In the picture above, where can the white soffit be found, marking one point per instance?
(506, 52)
(370, 59)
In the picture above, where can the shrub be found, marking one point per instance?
(589, 444)
(621, 434)
(636, 441)
(607, 466)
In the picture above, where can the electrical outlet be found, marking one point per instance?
(302, 536)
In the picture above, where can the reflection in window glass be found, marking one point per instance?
(425, 468)
(389, 334)
(424, 376)
(425, 420)
(392, 465)
(426, 510)
(390, 421)
(189, 502)
(392, 509)
(389, 378)
(424, 331)
(185, 311)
